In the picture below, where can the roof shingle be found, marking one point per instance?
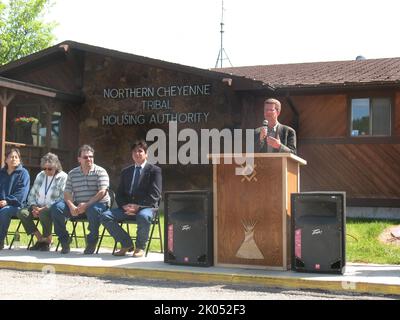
(333, 73)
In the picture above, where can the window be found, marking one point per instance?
(370, 117)
(55, 130)
(35, 133)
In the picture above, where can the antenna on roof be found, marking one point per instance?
(222, 51)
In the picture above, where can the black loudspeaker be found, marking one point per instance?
(318, 232)
(188, 228)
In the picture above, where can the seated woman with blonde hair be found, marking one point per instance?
(47, 189)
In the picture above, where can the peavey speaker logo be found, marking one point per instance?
(316, 231)
(186, 227)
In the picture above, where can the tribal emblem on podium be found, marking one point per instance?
(249, 248)
(250, 171)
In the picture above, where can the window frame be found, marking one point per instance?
(374, 95)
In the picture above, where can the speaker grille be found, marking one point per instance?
(188, 228)
(318, 232)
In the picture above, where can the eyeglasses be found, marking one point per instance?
(48, 169)
(87, 157)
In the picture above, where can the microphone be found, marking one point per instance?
(265, 127)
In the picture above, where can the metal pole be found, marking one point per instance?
(222, 33)
(222, 47)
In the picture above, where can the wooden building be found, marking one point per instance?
(84, 94)
(347, 118)
(346, 114)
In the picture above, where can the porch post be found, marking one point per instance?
(5, 99)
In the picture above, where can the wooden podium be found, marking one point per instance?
(252, 212)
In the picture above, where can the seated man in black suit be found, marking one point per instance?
(273, 136)
(138, 194)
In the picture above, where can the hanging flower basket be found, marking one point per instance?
(26, 120)
(23, 127)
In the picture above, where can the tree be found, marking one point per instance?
(22, 29)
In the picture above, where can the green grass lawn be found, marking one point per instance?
(108, 241)
(362, 244)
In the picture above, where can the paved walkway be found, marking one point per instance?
(360, 278)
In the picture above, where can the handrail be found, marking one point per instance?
(17, 144)
(32, 153)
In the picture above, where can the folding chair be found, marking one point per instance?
(111, 193)
(37, 221)
(75, 221)
(155, 222)
(14, 233)
(82, 219)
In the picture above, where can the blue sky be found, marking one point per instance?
(256, 31)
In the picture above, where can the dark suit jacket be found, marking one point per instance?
(287, 136)
(147, 193)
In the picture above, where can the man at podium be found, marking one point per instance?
(273, 136)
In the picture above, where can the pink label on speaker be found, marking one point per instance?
(171, 237)
(297, 243)
(317, 266)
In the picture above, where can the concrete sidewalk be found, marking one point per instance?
(358, 278)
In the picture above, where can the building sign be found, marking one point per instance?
(156, 107)
(132, 119)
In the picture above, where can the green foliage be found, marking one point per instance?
(362, 125)
(24, 119)
(22, 29)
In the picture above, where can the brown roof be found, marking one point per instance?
(63, 47)
(39, 90)
(323, 74)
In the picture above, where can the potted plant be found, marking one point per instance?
(26, 120)
(24, 128)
